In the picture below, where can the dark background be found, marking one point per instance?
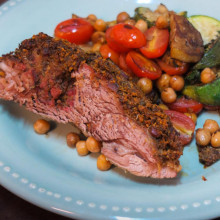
(15, 208)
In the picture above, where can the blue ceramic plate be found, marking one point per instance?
(44, 171)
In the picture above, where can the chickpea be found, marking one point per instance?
(215, 139)
(98, 37)
(164, 107)
(177, 82)
(92, 17)
(74, 16)
(207, 76)
(163, 82)
(41, 126)
(203, 137)
(110, 23)
(191, 115)
(72, 139)
(141, 25)
(122, 17)
(162, 22)
(102, 163)
(211, 125)
(81, 148)
(130, 21)
(100, 25)
(145, 84)
(96, 47)
(162, 9)
(93, 145)
(168, 95)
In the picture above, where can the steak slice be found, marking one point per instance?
(58, 80)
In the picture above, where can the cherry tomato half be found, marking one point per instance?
(123, 37)
(171, 70)
(123, 65)
(142, 67)
(172, 66)
(157, 42)
(77, 30)
(186, 105)
(183, 124)
(107, 52)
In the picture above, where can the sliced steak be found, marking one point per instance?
(56, 79)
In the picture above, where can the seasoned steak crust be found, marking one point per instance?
(58, 59)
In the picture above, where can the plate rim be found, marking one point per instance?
(7, 170)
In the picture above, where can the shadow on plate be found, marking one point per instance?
(148, 180)
(20, 113)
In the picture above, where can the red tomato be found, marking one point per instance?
(142, 67)
(113, 44)
(123, 37)
(157, 42)
(172, 66)
(107, 52)
(186, 105)
(123, 65)
(171, 70)
(77, 30)
(183, 124)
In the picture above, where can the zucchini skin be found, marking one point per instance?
(192, 77)
(211, 57)
(208, 94)
(141, 13)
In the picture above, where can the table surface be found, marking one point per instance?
(15, 208)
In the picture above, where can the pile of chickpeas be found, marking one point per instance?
(83, 147)
(209, 134)
(168, 86)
